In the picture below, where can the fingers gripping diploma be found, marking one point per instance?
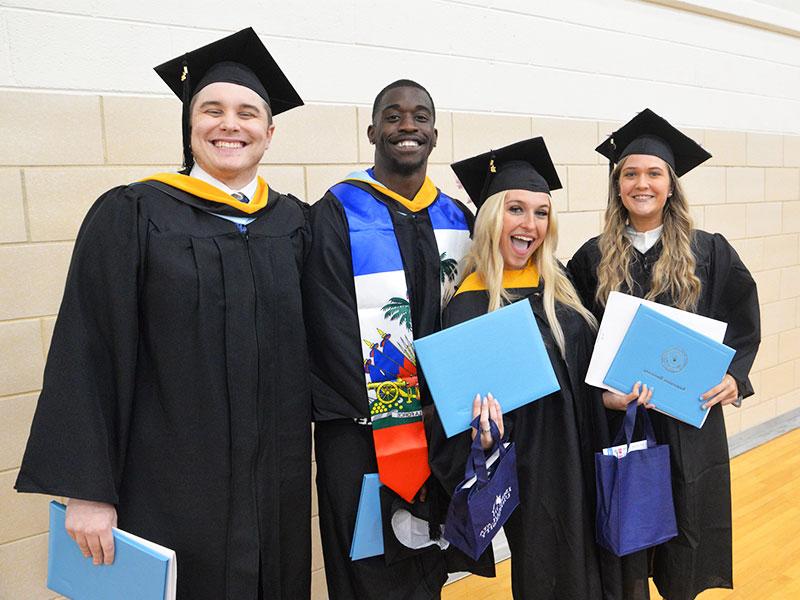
(489, 409)
(641, 393)
(725, 392)
(89, 524)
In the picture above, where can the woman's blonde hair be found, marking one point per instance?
(484, 259)
(673, 273)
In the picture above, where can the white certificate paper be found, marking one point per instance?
(620, 310)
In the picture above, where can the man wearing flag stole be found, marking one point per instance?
(385, 252)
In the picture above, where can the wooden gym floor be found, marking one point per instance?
(766, 531)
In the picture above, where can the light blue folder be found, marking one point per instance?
(501, 353)
(368, 534)
(138, 572)
(678, 362)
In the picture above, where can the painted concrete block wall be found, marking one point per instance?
(578, 58)
(81, 111)
(750, 191)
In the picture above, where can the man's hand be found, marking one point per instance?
(89, 524)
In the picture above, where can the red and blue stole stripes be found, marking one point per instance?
(384, 316)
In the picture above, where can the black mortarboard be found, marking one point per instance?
(647, 133)
(524, 165)
(240, 58)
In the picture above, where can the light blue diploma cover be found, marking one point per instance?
(501, 353)
(368, 534)
(678, 362)
(137, 573)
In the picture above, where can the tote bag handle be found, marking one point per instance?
(476, 463)
(625, 432)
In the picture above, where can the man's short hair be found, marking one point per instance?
(398, 84)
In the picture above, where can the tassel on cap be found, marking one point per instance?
(186, 99)
(489, 176)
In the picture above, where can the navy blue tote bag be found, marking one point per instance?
(483, 502)
(634, 492)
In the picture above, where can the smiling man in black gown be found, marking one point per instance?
(385, 252)
(176, 400)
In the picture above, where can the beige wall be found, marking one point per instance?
(61, 151)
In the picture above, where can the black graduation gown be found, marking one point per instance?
(700, 557)
(176, 388)
(344, 449)
(551, 534)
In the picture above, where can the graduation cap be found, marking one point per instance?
(240, 58)
(647, 133)
(524, 165)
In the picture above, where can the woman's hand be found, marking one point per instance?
(726, 392)
(488, 408)
(641, 393)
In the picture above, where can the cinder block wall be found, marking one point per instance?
(61, 151)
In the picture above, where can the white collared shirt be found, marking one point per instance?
(249, 190)
(644, 240)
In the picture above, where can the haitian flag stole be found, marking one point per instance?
(384, 316)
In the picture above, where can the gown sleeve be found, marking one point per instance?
(735, 301)
(329, 301)
(80, 428)
(448, 456)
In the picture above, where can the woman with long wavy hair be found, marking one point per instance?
(650, 249)
(551, 534)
